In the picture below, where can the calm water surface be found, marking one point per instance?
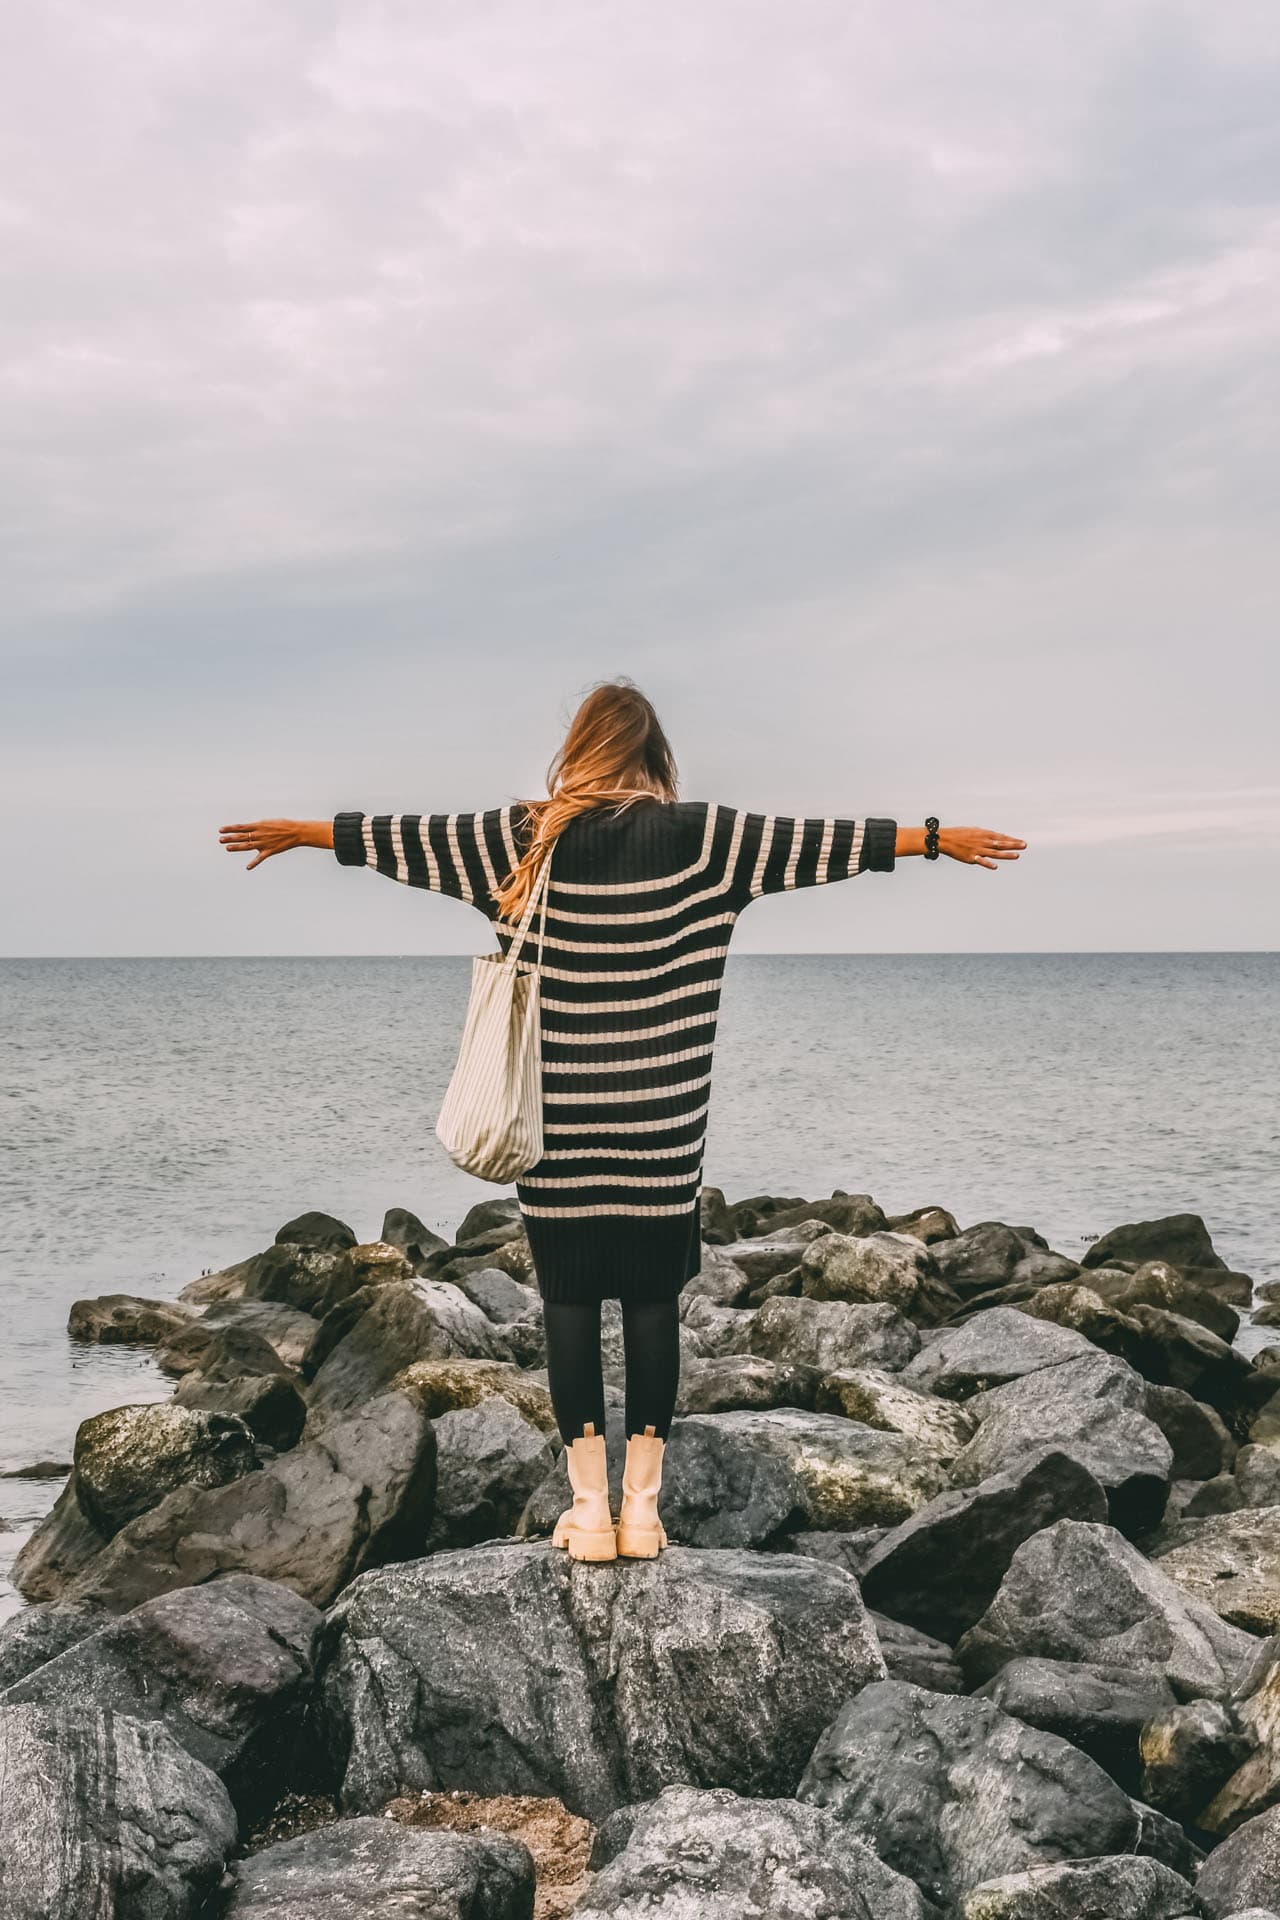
(159, 1118)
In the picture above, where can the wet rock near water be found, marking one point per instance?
(969, 1613)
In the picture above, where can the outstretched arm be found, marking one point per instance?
(775, 853)
(466, 855)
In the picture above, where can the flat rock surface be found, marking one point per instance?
(372, 1869)
(508, 1668)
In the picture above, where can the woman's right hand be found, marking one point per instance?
(262, 838)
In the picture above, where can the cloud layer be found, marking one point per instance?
(892, 393)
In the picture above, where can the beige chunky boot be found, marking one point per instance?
(586, 1528)
(640, 1532)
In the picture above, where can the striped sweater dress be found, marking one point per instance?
(641, 908)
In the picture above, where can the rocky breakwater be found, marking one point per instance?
(971, 1607)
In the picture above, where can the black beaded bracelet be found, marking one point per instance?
(931, 848)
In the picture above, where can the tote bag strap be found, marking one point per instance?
(538, 893)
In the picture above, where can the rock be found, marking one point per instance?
(939, 1570)
(703, 1668)
(953, 1791)
(1201, 1444)
(1231, 1562)
(849, 1548)
(128, 1459)
(1071, 1305)
(368, 1869)
(1099, 1709)
(268, 1403)
(1222, 1494)
(855, 1213)
(830, 1334)
(916, 1657)
(30, 1638)
(210, 1339)
(1180, 1239)
(103, 1815)
(227, 1668)
(426, 1320)
(883, 1266)
(38, 1470)
(1253, 1784)
(489, 1460)
(717, 1331)
(1080, 1591)
(1190, 1357)
(694, 1855)
(313, 1282)
(997, 1346)
(1041, 1268)
(320, 1231)
(223, 1354)
(719, 1280)
(841, 1474)
(885, 1400)
(360, 1494)
(489, 1216)
(1089, 1407)
(403, 1229)
(1187, 1752)
(500, 1297)
(1064, 1890)
(1244, 1869)
(63, 1544)
(1257, 1474)
(746, 1381)
(1157, 1284)
(771, 1254)
(1160, 1838)
(717, 1221)
(123, 1319)
(442, 1386)
(981, 1256)
(927, 1224)
(228, 1283)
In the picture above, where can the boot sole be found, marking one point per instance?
(591, 1546)
(640, 1546)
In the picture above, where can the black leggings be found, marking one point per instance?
(651, 1341)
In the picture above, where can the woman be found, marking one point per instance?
(643, 896)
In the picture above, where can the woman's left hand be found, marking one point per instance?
(262, 838)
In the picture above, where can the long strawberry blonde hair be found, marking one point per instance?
(614, 754)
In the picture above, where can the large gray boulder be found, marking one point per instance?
(740, 1381)
(1231, 1562)
(60, 1548)
(489, 1460)
(1244, 1869)
(939, 1569)
(360, 1494)
(371, 1869)
(1091, 1406)
(832, 1333)
(126, 1319)
(315, 1281)
(1180, 1239)
(912, 1655)
(1188, 1751)
(711, 1855)
(1157, 1284)
(321, 1231)
(1102, 1710)
(1119, 1883)
(1202, 1446)
(269, 1404)
(886, 1400)
(128, 1459)
(227, 1667)
(840, 1474)
(1253, 1784)
(422, 1320)
(103, 1816)
(953, 1791)
(1081, 1591)
(509, 1668)
(894, 1267)
(986, 1255)
(39, 1634)
(996, 1346)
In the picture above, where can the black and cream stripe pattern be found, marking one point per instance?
(641, 909)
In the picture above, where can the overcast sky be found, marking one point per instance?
(890, 390)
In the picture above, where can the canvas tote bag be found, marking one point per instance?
(490, 1123)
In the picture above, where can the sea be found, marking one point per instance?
(160, 1118)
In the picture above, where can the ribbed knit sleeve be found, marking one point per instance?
(466, 855)
(775, 853)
